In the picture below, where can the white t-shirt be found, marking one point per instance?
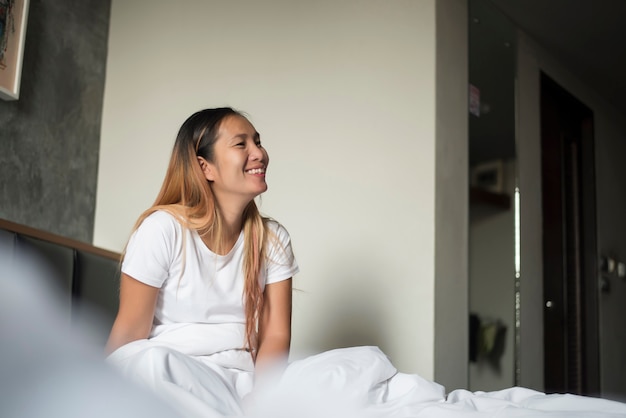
(210, 288)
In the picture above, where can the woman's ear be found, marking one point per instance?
(207, 168)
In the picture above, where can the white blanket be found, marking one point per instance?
(45, 370)
(348, 383)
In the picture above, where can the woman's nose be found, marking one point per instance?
(256, 152)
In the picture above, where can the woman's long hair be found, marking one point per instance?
(187, 195)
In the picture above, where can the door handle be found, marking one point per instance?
(605, 284)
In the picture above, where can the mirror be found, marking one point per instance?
(493, 271)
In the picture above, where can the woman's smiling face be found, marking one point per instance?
(240, 162)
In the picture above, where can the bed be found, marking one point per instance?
(49, 369)
(347, 382)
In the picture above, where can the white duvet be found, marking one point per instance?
(347, 383)
(46, 371)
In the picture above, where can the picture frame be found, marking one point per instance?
(488, 176)
(13, 19)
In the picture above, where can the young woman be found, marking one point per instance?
(205, 294)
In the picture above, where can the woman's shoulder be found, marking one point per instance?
(281, 260)
(274, 226)
(277, 231)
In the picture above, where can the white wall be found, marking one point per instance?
(451, 200)
(609, 133)
(343, 94)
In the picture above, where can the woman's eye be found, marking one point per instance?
(258, 144)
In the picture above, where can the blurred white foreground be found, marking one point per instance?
(48, 370)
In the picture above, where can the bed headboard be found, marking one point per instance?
(86, 277)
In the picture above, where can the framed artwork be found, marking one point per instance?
(13, 18)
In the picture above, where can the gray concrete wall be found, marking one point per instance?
(49, 138)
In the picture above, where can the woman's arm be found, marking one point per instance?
(275, 327)
(135, 314)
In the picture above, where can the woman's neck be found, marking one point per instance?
(222, 241)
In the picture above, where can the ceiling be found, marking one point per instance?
(587, 36)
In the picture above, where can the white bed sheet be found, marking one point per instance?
(348, 383)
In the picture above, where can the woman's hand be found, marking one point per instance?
(135, 314)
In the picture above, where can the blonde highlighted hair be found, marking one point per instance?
(187, 196)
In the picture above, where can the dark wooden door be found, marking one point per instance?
(571, 345)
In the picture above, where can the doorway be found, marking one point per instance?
(570, 286)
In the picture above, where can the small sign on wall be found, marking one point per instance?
(13, 18)
(474, 100)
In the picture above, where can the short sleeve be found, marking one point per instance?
(150, 249)
(281, 263)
